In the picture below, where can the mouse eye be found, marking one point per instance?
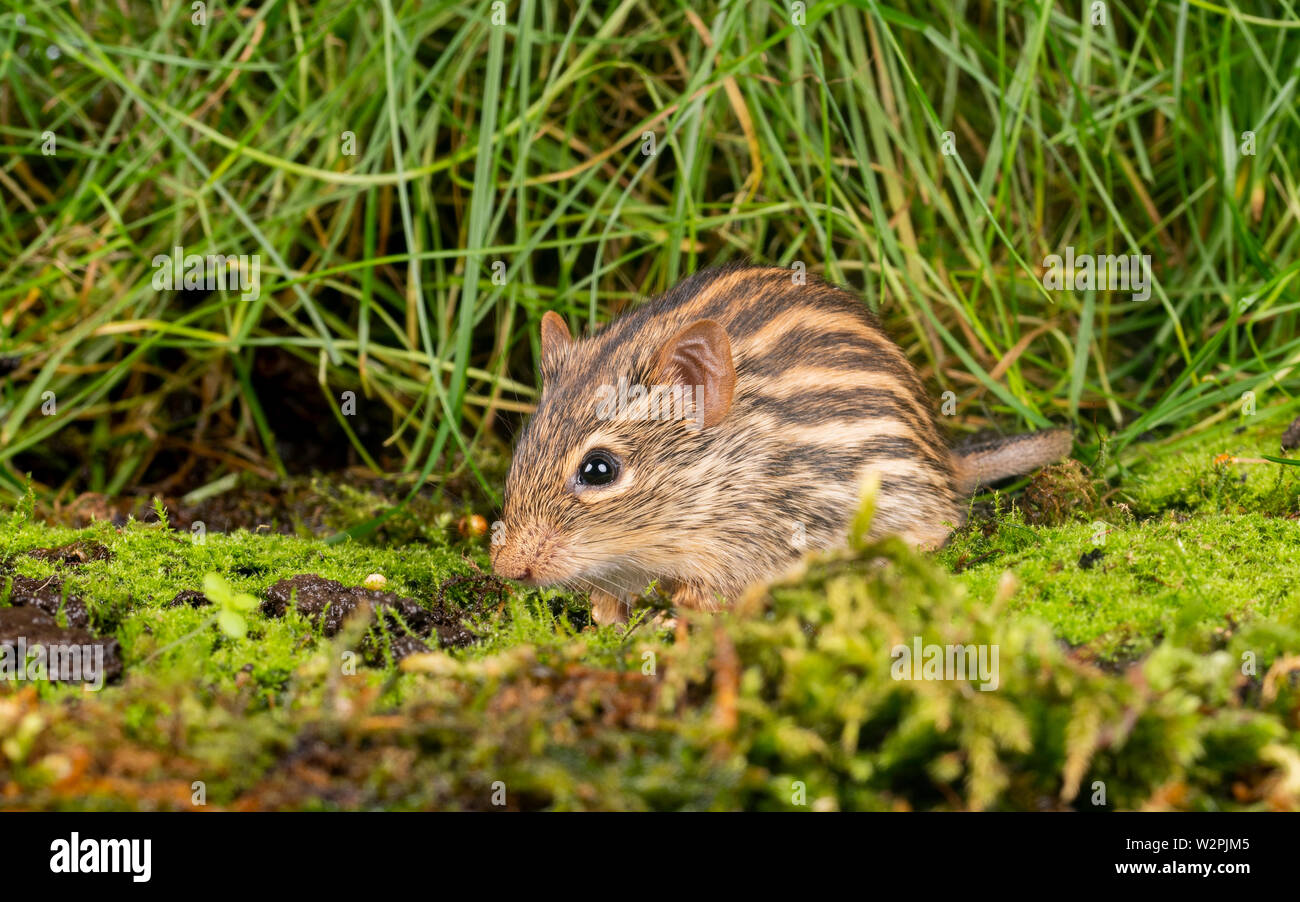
(598, 468)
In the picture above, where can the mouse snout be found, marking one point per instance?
(525, 554)
(511, 568)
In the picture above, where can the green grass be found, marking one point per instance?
(516, 149)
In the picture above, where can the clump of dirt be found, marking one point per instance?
(47, 595)
(1060, 494)
(329, 603)
(1088, 559)
(190, 597)
(73, 554)
(485, 590)
(1291, 438)
(400, 645)
(22, 628)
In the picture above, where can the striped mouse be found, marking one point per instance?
(711, 437)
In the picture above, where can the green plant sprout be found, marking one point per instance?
(233, 605)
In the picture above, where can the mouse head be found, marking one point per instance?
(612, 470)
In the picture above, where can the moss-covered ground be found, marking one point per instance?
(1197, 534)
(1146, 619)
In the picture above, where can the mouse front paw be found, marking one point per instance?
(607, 609)
(694, 597)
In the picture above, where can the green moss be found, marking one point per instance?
(790, 703)
(1183, 542)
(1142, 580)
(129, 594)
(1182, 473)
(1189, 607)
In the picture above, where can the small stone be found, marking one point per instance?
(472, 526)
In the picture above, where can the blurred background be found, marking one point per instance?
(420, 181)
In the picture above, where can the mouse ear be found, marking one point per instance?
(555, 340)
(700, 355)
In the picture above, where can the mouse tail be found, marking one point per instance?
(986, 462)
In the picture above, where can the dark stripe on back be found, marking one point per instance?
(839, 403)
(787, 355)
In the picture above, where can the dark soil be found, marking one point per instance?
(1090, 558)
(1291, 438)
(47, 595)
(190, 597)
(328, 604)
(74, 554)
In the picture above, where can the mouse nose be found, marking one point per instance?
(507, 564)
(524, 554)
(515, 571)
